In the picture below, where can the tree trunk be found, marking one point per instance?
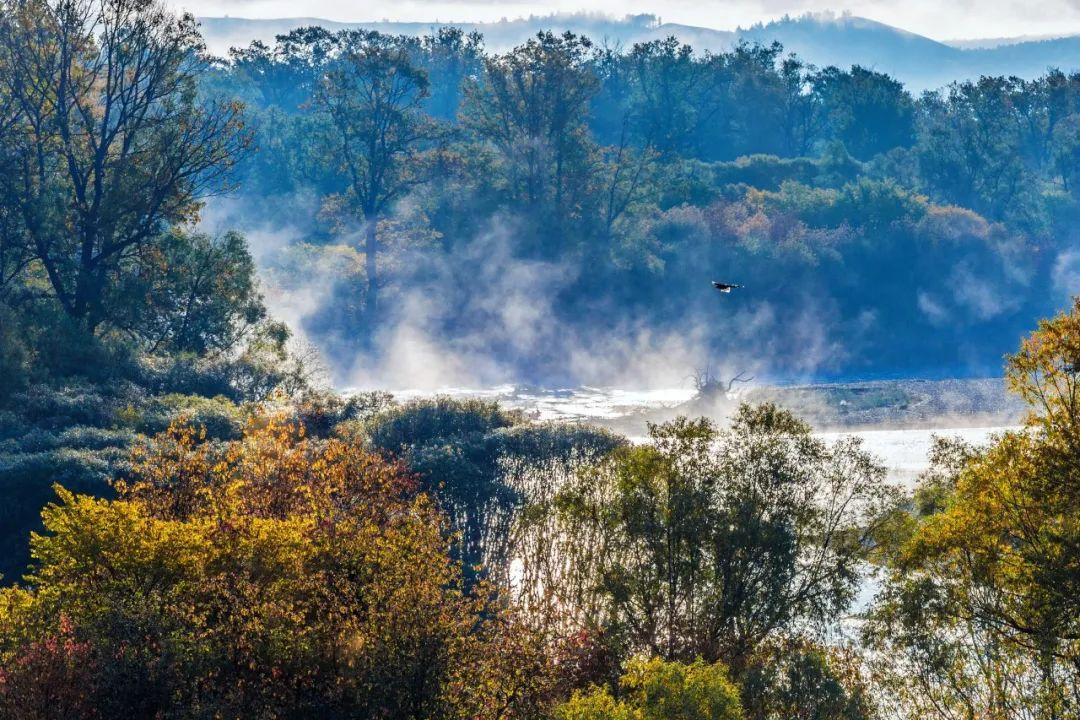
(83, 300)
(370, 250)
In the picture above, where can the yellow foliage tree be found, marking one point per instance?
(274, 576)
(659, 690)
(981, 617)
(1011, 534)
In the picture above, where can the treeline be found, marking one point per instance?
(638, 174)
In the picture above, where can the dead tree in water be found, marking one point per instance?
(708, 385)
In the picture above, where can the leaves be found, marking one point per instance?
(269, 574)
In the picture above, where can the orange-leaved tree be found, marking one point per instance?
(274, 576)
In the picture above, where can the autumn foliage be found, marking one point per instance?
(980, 613)
(274, 576)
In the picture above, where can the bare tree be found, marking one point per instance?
(706, 384)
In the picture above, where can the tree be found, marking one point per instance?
(980, 612)
(374, 96)
(868, 111)
(658, 690)
(450, 57)
(970, 146)
(482, 465)
(286, 76)
(112, 144)
(675, 95)
(707, 543)
(273, 576)
(1066, 152)
(15, 251)
(805, 680)
(449, 444)
(801, 116)
(196, 294)
(531, 105)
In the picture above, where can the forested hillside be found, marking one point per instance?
(592, 195)
(822, 39)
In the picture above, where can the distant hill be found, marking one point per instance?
(822, 39)
(981, 43)
(223, 33)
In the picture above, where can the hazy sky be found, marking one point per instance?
(940, 19)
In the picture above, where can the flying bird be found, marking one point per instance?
(725, 287)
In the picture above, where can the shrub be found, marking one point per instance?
(422, 421)
(26, 480)
(658, 690)
(72, 402)
(219, 416)
(321, 413)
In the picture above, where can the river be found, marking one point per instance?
(903, 451)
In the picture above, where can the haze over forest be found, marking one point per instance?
(821, 39)
(804, 180)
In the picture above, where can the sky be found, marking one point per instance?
(951, 19)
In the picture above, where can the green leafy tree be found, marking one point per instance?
(805, 680)
(970, 146)
(112, 144)
(1066, 151)
(482, 465)
(531, 106)
(868, 111)
(675, 95)
(197, 294)
(374, 94)
(450, 56)
(707, 543)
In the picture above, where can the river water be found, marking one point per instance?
(903, 451)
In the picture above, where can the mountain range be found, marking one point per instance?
(821, 39)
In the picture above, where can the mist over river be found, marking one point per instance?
(905, 452)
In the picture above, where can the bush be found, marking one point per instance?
(799, 678)
(276, 576)
(323, 412)
(185, 374)
(82, 437)
(26, 481)
(11, 425)
(766, 172)
(658, 690)
(421, 422)
(72, 402)
(219, 416)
